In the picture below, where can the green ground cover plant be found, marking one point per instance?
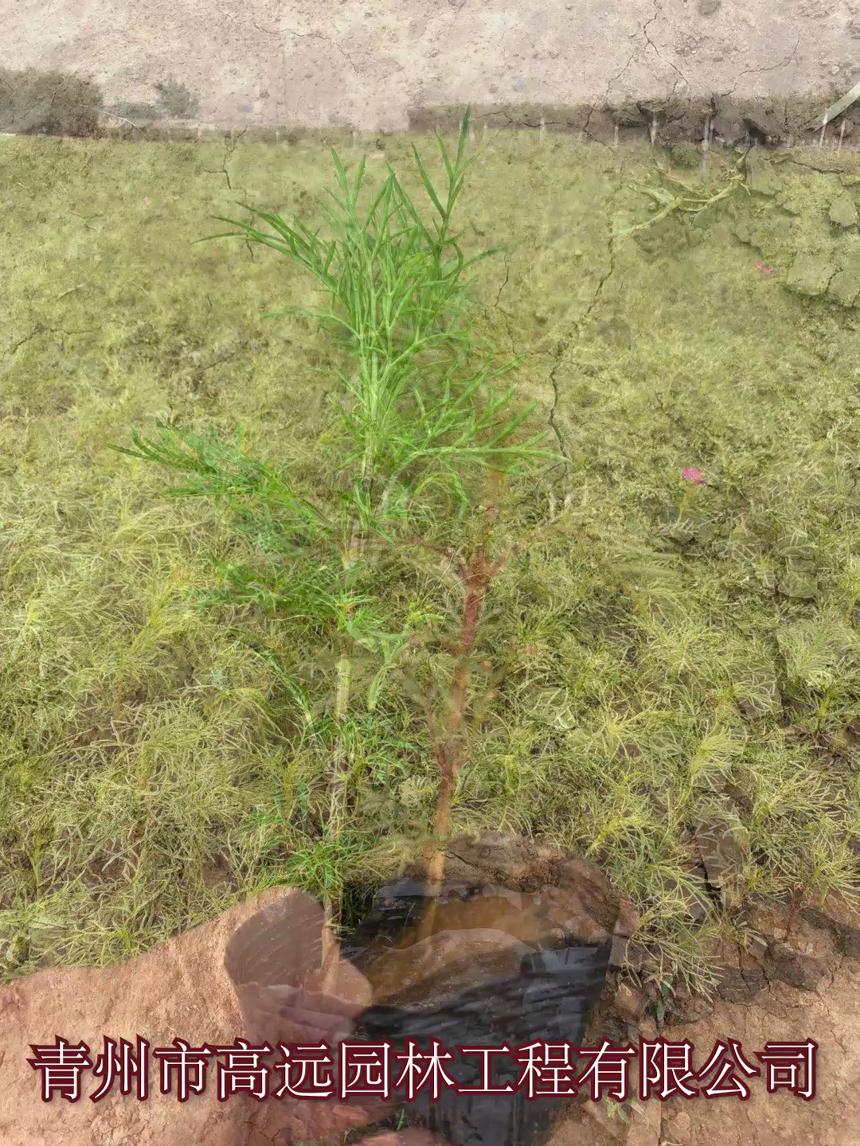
(673, 651)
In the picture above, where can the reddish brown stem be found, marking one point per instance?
(476, 576)
(450, 752)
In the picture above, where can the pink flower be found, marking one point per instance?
(692, 474)
(764, 268)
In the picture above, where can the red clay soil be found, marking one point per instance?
(182, 990)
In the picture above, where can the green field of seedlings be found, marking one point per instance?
(562, 541)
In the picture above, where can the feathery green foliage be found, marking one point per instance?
(659, 655)
(419, 426)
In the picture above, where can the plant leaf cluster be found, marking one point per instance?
(425, 420)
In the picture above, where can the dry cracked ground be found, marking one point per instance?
(799, 979)
(368, 64)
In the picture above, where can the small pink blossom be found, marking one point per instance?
(146, 200)
(690, 473)
(764, 268)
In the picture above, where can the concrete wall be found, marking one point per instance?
(365, 63)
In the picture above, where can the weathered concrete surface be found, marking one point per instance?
(365, 63)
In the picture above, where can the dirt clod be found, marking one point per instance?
(630, 1002)
(843, 211)
(809, 275)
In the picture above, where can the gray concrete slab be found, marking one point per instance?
(366, 63)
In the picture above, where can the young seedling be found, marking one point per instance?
(425, 434)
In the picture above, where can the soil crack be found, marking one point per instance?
(576, 334)
(681, 78)
(789, 59)
(231, 142)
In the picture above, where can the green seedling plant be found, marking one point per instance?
(426, 433)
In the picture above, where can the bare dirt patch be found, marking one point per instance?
(367, 64)
(181, 990)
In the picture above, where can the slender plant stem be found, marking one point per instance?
(340, 764)
(450, 752)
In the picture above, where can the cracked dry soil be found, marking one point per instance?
(182, 990)
(369, 65)
(798, 980)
